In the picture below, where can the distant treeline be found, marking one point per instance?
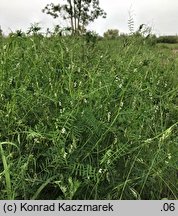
(171, 39)
(110, 34)
(168, 39)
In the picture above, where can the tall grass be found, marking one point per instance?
(87, 121)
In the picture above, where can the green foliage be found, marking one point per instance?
(168, 39)
(34, 29)
(111, 34)
(91, 37)
(99, 124)
(17, 33)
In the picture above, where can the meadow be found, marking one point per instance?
(88, 120)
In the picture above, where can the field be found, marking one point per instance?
(86, 120)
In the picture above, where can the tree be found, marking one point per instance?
(111, 34)
(79, 13)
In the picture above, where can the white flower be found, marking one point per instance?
(65, 154)
(100, 170)
(117, 78)
(75, 84)
(62, 110)
(156, 108)
(63, 131)
(120, 85)
(148, 140)
(169, 156)
(121, 104)
(36, 140)
(85, 100)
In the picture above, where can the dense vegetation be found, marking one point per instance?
(168, 39)
(88, 120)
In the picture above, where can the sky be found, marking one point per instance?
(160, 15)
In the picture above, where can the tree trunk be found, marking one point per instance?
(71, 16)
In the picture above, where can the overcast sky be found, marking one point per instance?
(161, 15)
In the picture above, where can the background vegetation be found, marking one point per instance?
(171, 39)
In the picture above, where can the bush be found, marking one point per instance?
(167, 39)
(111, 34)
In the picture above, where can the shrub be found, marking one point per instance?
(167, 39)
(91, 37)
(151, 39)
(111, 34)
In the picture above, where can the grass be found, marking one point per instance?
(88, 121)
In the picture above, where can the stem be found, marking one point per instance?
(7, 174)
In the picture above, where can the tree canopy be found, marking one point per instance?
(79, 13)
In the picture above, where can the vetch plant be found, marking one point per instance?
(101, 127)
